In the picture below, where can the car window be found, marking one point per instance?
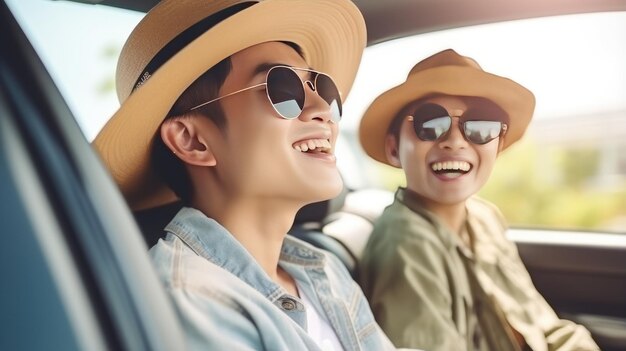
(567, 173)
(79, 45)
(79, 275)
(30, 298)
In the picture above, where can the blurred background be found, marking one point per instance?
(568, 172)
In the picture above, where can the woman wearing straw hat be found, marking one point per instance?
(230, 107)
(438, 270)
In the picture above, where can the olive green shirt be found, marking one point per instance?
(430, 290)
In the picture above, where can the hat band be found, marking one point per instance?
(186, 37)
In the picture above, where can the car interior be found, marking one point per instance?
(86, 281)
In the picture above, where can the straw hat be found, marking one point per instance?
(178, 40)
(451, 74)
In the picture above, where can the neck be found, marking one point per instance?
(259, 224)
(453, 216)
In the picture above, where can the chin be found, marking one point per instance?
(325, 189)
(335, 190)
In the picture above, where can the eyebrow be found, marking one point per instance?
(264, 67)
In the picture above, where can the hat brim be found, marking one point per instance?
(330, 33)
(513, 98)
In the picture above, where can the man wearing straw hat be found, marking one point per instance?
(232, 107)
(438, 270)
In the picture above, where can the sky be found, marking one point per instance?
(74, 41)
(573, 64)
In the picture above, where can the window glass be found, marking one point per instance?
(567, 172)
(34, 316)
(79, 44)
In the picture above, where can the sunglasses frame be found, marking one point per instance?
(503, 126)
(312, 85)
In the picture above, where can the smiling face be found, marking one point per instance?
(259, 153)
(446, 171)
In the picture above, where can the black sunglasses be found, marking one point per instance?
(286, 91)
(478, 126)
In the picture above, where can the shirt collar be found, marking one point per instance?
(449, 239)
(210, 240)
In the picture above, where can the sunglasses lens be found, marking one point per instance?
(431, 121)
(481, 132)
(328, 91)
(285, 91)
(433, 129)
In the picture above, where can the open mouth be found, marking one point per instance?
(451, 169)
(313, 146)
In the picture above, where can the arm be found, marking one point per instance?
(558, 334)
(530, 315)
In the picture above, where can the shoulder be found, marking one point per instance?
(486, 213)
(399, 227)
(482, 207)
(402, 223)
(411, 243)
(179, 267)
(490, 227)
(197, 284)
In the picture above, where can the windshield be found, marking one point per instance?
(569, 170)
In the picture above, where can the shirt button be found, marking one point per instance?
(288, 304)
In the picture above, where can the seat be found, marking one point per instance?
(343, 224)
(152, 221)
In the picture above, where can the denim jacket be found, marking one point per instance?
(227, 302)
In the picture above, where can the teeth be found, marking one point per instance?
(321, 145)
(451, 166)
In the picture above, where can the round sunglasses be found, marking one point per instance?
(478, 126)
(286, 91)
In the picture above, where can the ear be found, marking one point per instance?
(183, 137)
(391, 151)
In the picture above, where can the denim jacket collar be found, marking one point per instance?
(211, 240)
(320, 276)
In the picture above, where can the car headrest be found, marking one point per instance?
(342, 225)
(152, 221)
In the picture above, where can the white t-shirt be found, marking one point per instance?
(318, 326)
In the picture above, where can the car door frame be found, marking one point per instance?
(86, 233)
(582, 275)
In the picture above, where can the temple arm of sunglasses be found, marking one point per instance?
(227, 95)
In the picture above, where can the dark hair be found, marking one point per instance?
(396, 122)
(167, 165)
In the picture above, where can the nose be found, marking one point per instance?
(315, 108)
(310, 84)
(453, 139)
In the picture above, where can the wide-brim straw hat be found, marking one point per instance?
(446, 73)
(330, 33)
